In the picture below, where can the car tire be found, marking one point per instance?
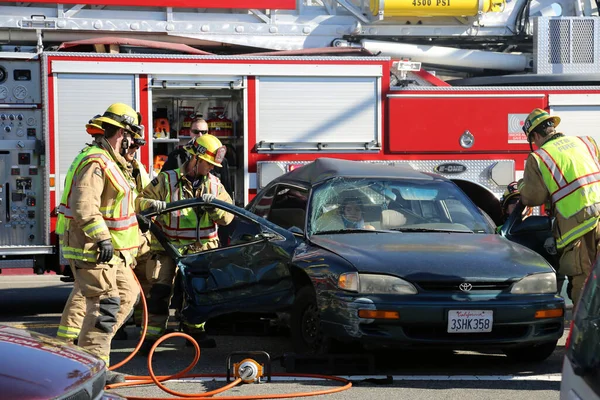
(532, 353)
(305, 323)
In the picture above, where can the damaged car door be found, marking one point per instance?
(532, 231)
(250, 271)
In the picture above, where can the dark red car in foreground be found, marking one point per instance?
(36, 366)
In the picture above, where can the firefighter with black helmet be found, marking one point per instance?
(186, 229)
(509, 201)
(564, 172)
(99, 231)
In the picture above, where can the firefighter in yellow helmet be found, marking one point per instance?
(188, 230)
(72, 318)
(144, 264)
(99, 230)
(93, 127)
(564, 172)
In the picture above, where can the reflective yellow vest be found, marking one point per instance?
(144, 177)
(571, 172)
(181, 226)
(120, 219)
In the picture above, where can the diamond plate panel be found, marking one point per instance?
(566, 45)
(16, 264)
(559, 40)
(583, 49)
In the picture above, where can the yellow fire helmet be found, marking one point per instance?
(122, 116)
(94, 127)
(208, 148)
(510, 192)
(535, 118)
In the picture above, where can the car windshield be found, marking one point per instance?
(348, 205)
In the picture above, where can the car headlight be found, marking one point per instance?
(375, 284)
(536, 284)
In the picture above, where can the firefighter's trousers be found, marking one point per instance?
(109, 293)
(159, 296)
(72, 317)
(144, 270)
(577, 259)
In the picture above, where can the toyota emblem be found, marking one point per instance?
(465, 287)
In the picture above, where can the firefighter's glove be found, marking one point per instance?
(143, 223)
(106, 251)
(159, 205)
(208, 197)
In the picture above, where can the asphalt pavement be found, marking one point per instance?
(35, 302)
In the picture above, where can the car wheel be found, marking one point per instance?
(532, 353)
(305, 323)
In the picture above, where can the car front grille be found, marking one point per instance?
(91, 390)
(433, 286)
(80, 395)
(98, 385)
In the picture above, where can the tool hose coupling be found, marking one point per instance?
(248, 371)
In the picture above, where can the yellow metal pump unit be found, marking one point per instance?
(248, 370)
(434, 8)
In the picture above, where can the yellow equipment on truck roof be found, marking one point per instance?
(435, 8)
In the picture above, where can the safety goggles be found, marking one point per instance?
(126, 120)
(512, 187)
(137, 143)
(198, 131)
(547, 124)
(543, 125)
(196, 148)
(91, 121)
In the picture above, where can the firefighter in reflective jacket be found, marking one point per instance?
(144, 264)
(564, 172)
(99, 230)
(185, 229)
(72, 318)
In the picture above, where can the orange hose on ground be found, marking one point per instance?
(157, 380)
(144, 328)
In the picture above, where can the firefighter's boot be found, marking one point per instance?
(113, 377)
(121, 333)
(200, 336)
(147, 346)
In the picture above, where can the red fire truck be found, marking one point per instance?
(451, 109)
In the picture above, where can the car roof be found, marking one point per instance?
(326, 168)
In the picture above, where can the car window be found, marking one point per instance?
(585, 338)
(393, 205)
(288, 207)
(263, 205)
(193, 238)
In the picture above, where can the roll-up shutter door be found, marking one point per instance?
(79, 98)
(578, 114)
(326, 110)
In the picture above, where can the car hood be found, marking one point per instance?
(36, 366)
(435, 256)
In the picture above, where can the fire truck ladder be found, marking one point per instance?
(311, 24)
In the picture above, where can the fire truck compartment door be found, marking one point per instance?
(578, 113)
(303, 112)
(78, 98)
(436, 122)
